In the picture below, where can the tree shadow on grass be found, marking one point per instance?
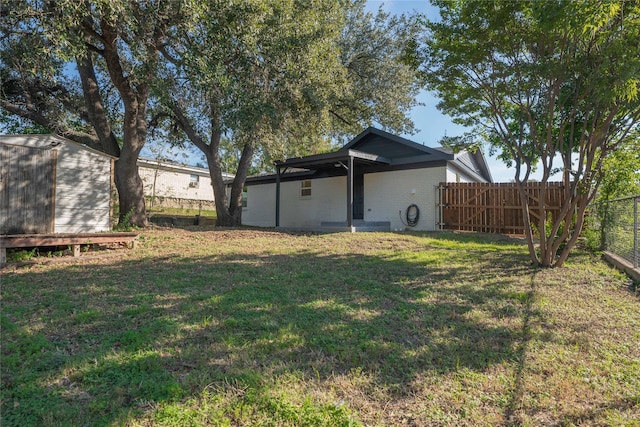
(98, 344)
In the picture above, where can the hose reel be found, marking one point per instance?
(412, 215)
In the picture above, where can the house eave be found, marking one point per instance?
(329, 160)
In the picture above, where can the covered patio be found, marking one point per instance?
(353, 164)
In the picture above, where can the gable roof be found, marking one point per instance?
(385, 144)
(469, 162)
(371, 146)
(377, 150)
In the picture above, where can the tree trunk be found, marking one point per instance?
(127, 179)
(134, 125)
(95, 109)
(231, 216)
(130, 192)
(528, 232)
(228, 209)
(571, 242)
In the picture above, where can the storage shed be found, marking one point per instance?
(49, 184)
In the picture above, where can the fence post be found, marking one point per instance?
(440, 220)
(636, 254)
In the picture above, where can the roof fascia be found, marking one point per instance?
(318, 159)
(420, 159)
(375, 168)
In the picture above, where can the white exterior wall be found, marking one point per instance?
(454, 175)
(83, 184)
(261, 206)
(385, 193)
(328, 202)
(175, 183)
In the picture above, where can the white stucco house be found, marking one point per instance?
(174, 185)
(378, 181)
(50, 184)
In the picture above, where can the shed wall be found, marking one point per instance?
(83, 191)
(83, 184)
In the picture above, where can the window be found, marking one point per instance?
(194, 181)
(244, 196)
(305, 188)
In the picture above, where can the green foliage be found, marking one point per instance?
(621, 171)
(21, 255)
(282, 79)
(124, 223)
(266, 64)
(380, 55)
(84, 70)
(12, 124)
(542, 81)
(36, 94)
(620, 178)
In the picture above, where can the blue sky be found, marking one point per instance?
(431, 124)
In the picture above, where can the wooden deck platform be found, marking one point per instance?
(75, 240)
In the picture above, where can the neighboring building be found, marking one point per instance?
(49, 184)
(173, 185)
(378, 181)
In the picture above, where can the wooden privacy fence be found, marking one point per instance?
(493, 208)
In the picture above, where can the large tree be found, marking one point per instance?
(282, 78)
(542, 81)
(83, 70)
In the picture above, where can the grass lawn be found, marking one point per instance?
(249, 327)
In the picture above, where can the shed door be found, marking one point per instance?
(26, 189)
(358, 196)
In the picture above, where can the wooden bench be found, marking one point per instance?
(72, 239)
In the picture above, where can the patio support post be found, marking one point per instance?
(277, 196)
(350, 193)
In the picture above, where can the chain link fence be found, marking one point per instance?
(620, 225)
